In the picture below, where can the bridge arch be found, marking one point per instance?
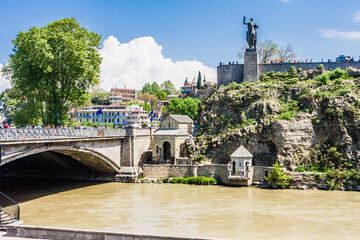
(86, 156)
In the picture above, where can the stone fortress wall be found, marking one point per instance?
(235, 73)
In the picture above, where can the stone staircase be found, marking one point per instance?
(126, 174)
(10, 214)
(6, 218)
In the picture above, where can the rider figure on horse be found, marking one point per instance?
(251, 33)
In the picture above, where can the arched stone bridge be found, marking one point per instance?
(103, 153)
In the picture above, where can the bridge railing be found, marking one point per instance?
(49, 133)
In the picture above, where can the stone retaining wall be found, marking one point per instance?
(260, 172)
(159, 171)
(70, 234)
(217, 171)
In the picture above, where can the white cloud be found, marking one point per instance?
(4, 83)
(333, 33)
(141, 61)
(285, 1)
(356, 16)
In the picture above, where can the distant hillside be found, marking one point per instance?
(296, 118)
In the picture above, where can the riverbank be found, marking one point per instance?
(298, 181)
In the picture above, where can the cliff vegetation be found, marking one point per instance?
(303, 120)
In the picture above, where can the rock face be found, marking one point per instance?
(285, 117)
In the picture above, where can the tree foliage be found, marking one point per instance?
(152, 88)
(188, 106)
(278, 178)
(267, 50)
(161, 95)
(270, 51)
(198, 86)
(52, 67)
(147, 97)
(99, 97)
(168, 87)
(19, 110)
(285, 53)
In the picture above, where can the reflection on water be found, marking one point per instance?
(193, 211)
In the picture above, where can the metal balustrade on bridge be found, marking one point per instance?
(45, 133)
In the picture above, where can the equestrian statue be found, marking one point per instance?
(251, 33)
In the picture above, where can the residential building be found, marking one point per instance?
(160, 104)
(120, 116)
(120, 95)
(190, 89)
(187, 89)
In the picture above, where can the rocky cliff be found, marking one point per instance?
(295, 118)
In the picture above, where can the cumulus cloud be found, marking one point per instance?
(356, 16)
(4, 83)
(333, 33)
(140, 61)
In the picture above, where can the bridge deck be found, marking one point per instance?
(12, 134)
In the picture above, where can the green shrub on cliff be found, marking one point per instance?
(321, 67)
(278, 178)
(289, 110)
(327, 77)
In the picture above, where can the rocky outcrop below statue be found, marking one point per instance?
(300, 119)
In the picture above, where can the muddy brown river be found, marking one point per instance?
(193, 211)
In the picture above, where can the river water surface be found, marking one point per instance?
(191, 211)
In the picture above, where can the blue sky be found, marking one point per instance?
(208, 31)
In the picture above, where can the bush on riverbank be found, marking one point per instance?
(195, 180)
(278, 177)
(339, 173)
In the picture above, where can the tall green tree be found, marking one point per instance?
(146, 88)
(198, 86)
(152, 88)
(188, 106)
(155, 88)
(161, 95)
(168, 87)
(55, 66)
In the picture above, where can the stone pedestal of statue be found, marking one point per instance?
(251, 61)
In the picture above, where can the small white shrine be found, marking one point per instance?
(240, 167)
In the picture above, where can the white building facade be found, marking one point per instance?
(120, 116)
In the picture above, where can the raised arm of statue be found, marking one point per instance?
(244, 21)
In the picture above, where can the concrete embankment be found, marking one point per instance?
(69, 234)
